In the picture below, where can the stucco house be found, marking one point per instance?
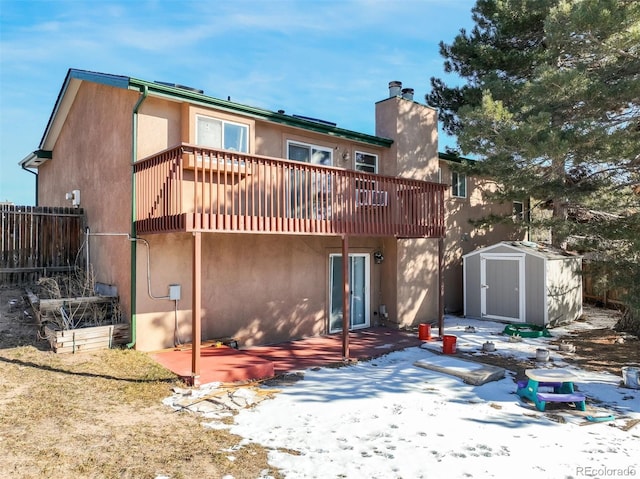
(466, 201)
(215, 219)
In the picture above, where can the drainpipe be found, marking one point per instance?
(36, 175)
(134, 156)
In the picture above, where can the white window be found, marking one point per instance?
(519, 213)
(458, 184)
(366, 162)
(222, 134)
(317, 155)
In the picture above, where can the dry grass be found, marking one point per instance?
(99, 415)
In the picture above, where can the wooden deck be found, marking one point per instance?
(224, 364)
(190, 188)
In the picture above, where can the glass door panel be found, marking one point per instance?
(335, 302)
(359, 292)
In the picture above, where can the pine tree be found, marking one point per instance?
(551, 108)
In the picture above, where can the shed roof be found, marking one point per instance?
(541, 250)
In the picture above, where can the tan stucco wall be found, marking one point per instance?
(417, 281)
(413, 127)
(257, 289)
(463, 237)
(414, 154)
(159, 126)
(93, 154)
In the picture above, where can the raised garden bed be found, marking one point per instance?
(81, 323)
(86, 339)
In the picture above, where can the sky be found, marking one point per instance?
(389, 418)
(327, 59)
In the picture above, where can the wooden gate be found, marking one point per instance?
(39, 241)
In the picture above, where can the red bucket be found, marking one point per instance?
(449, 344)
(424, 332)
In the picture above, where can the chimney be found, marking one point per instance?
(394, 88)
(407, 93)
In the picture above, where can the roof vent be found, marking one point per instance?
(394, 88)
(181, 87)
(407, 93)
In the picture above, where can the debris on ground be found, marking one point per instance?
(218, 400)
(630, 423)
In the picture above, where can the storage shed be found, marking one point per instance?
(523, 282)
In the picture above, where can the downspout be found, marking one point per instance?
(36, 175)
(134, 255)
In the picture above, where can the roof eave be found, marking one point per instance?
(179, 94)
(36, 158)
(75, 77)
(66, 96)
(454, 158)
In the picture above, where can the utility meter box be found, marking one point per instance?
(174, 292)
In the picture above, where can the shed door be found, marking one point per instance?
(502, 293)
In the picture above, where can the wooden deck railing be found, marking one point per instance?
(190, 188)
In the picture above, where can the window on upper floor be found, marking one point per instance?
(222, 134)
(366, 162)
(519, 212)
(458, 184)
(317, 155)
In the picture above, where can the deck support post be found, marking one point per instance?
(440, 286)
(346, 297)
(196, 311)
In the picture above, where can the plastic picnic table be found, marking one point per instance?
(562, 382)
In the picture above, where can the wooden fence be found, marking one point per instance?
(596, 293)
(39, 241)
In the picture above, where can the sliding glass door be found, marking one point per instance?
(359, 291)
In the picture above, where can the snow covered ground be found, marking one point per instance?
(388, 418)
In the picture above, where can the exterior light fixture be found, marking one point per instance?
(74, 197)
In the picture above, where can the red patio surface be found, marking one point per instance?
(226, 364)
